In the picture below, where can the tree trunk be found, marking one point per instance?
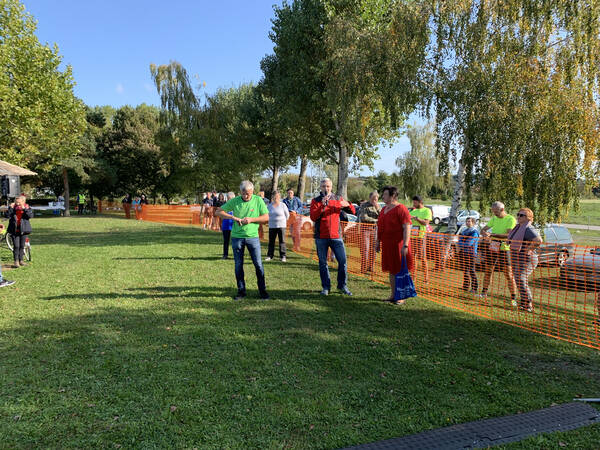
(275, 181)
(456, 197)
(342, 182)
(302, 178)
(66, 186)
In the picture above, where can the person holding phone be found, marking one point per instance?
(325, 213)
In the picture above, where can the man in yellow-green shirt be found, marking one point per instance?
(421, 216)
(497, 252)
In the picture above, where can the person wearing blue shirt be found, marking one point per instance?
(226, 227)
(468, 241)
(294, 206)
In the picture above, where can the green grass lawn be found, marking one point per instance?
(124, 334)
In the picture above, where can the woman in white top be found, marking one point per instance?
(278, 217)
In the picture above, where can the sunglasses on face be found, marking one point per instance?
(521, 215)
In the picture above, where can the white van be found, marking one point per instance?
(439, 212)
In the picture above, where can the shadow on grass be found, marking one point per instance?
(128, 237)
(272, 368)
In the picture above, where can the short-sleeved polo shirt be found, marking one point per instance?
(255, 207)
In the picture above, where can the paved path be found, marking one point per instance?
(578, 226)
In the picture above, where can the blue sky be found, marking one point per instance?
(110, 45)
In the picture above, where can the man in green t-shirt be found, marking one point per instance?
(497, 251)
(421, 216)
(249, 212)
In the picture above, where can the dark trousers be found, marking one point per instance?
(469, 276)
(226, 238)
(337, 245)
(19, 246)
(80, 209)
(253, 246)
(276, 233)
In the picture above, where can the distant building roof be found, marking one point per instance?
(11, 169)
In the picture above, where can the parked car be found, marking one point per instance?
(438, 213)
(462, 217)
(582, 270)
(557, 246)
(556, 249)
(307, 223)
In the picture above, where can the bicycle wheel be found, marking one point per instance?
(27, 251)
(9, 242)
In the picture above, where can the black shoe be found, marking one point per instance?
(240, 295)
(346, 291)
(264, 295)
(225, 257)
(5, 283)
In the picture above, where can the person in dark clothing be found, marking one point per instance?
(143, 199)
(19, 214)
(226, 227)
(126, 202)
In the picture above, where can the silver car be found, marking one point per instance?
(582, 269)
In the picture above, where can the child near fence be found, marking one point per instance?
(468, 241)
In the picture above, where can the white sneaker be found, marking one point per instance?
(5, 283)
(268, 259)
(283, 259)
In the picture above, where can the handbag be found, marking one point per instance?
(405, 288)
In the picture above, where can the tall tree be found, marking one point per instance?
(514, 88)
(418, 168)
(41, 121)
(179, 120)
(332, 60)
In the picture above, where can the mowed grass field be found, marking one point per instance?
(123, 334)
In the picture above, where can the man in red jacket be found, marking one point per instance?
(325, 213)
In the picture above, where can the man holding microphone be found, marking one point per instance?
(325, 213)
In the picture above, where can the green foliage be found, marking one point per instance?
(418, 168)
(41, 121)
(336, 63)
(514, 88)
(379, 181)
(129, 150)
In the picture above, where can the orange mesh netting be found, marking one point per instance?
(563, 287)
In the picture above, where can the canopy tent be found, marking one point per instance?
(11, 169)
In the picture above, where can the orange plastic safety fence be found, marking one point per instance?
(117, 208)
(553, 292)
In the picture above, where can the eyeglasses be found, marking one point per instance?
(521, 215)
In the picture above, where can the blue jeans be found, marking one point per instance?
(337, 246)
(238, 245)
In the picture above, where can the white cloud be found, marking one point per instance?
(120, 88)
